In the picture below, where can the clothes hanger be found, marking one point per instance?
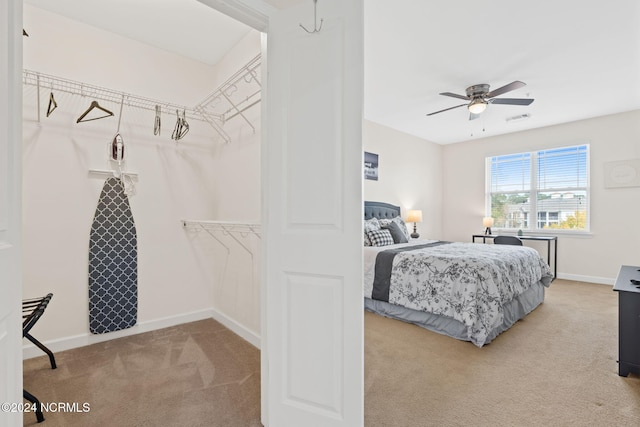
(177, 128)
(52, 104)
(156, 126)
(185, 126)
(94, 104)
(182, 127)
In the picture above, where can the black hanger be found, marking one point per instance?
(24, 33)
(94, 104)
(52, 103)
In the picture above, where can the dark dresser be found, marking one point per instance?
(628, 320)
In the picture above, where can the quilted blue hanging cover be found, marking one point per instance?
(113, 262)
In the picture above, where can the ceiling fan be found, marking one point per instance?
(479, 97)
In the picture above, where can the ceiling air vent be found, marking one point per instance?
(518, 118)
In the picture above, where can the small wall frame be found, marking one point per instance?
(370, 166)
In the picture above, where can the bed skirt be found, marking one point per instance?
(513, 311)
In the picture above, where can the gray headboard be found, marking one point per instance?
(380, 210)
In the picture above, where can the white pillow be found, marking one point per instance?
(370, 225)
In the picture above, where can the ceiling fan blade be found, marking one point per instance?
(446, 109)
(473, 116)
(455, 95)
(506, 88)
(511, 101)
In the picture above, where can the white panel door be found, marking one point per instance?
(10, 200)
(312, 333)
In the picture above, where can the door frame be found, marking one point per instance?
(11, 210)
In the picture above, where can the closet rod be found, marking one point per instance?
(59, 84)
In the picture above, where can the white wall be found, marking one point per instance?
(177, 278)
(614, 211)
(448, 184)
(236, 185)
(409, 175)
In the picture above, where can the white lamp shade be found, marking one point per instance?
(477, 106)
(414, 216)
(487, 221)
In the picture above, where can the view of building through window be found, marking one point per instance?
(547, 189)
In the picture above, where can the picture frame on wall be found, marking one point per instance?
(370, 166)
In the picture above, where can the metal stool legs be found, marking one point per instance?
(32, 310)
(42, 347)
(31, 398)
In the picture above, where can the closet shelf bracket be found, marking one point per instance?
(237, 231)
(224, 135)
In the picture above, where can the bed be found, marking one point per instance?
(471, 292)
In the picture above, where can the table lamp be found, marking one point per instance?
(487, 222)
(414, 217)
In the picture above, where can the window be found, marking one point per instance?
(548, 219)
(551, 186)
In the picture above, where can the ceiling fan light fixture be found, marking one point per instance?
(477, 106)
(478, 97)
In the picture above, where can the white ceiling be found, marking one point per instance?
(186, 27)
(580, 59)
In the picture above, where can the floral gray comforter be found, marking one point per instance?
(465, 281)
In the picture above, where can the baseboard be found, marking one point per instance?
(237, 328)
(29, 350)
(589, 279)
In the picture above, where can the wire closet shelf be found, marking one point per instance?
(231, 99)
(59, 84)
(227, 227)
(235, 230)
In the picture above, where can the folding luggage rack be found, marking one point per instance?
(32, 310)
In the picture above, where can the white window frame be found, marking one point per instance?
(533, 191)
(547, 220)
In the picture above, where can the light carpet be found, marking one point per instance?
(556, 367)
